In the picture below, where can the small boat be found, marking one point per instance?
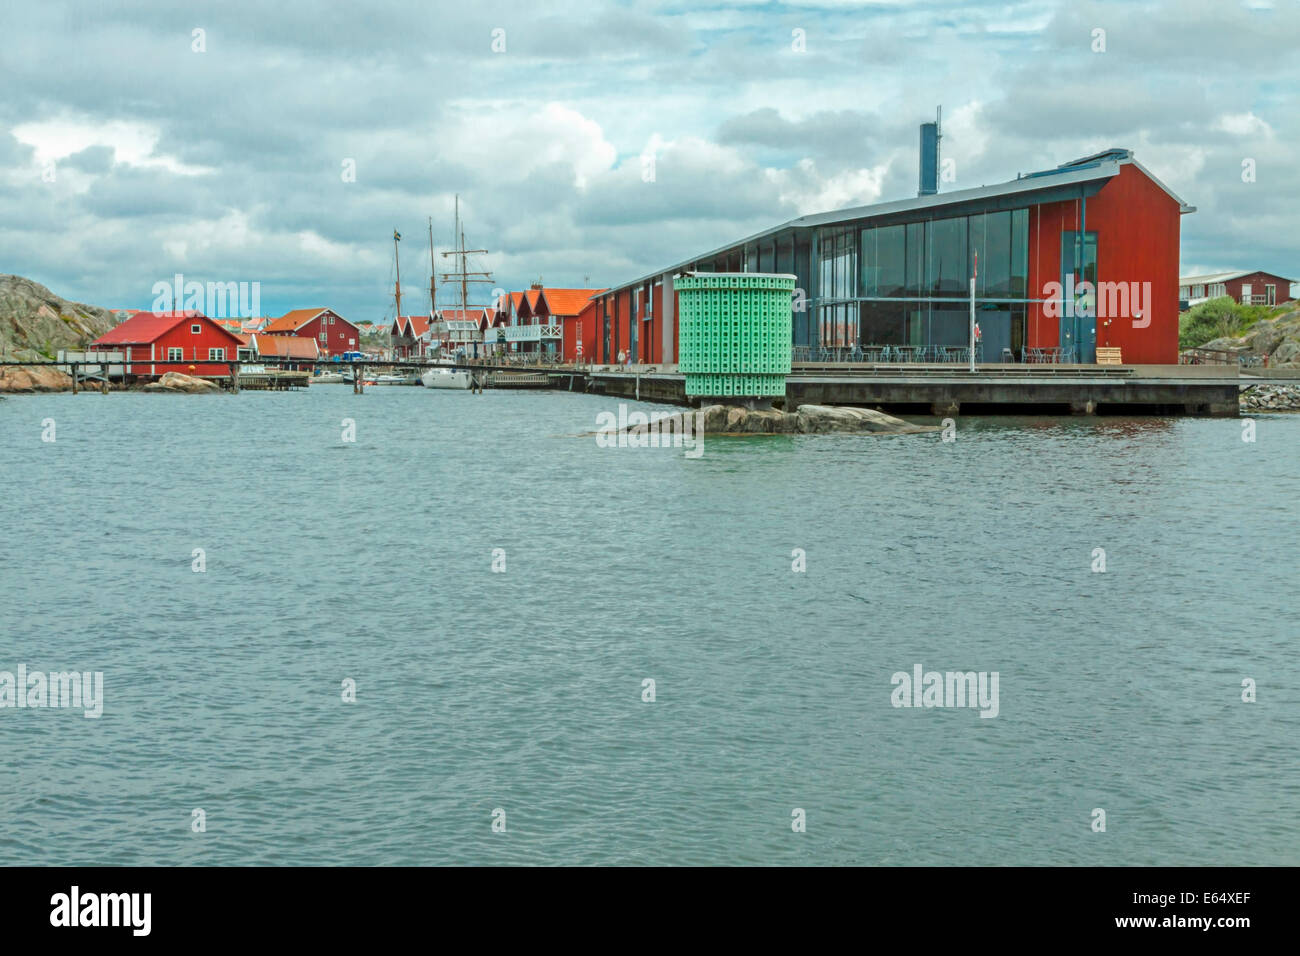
(327, 378)
(395, 378)
(445, 378)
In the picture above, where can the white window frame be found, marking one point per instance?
(196, 329)
(217, 355)
(175, 354)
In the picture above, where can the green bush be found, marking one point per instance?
(1218, 318)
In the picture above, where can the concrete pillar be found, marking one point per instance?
(1083, 408)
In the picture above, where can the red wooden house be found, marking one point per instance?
(333, 333)
(575, 312)
(155, 343)
(1246, 288)
(408, 336)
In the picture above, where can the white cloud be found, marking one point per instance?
(132, 143)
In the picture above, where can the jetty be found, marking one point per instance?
(909, 388)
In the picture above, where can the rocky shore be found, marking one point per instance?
(19, 379)
(1272, 398)
(22, 379)
(1275, 341)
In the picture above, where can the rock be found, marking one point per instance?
(1270, 397)
(34, 379)
(176, 382)
(1288, 353)
(818, 419)
(807, 419)
(34, 322)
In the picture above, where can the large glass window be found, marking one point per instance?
(882, 323)
(990, 242)
(915, 269)
(1019, 253)
(884, 261)
(947, 262)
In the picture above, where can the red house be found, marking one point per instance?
(575, 312)
(1246, 288)
(407, 337)
(155, 343)
(333, 333)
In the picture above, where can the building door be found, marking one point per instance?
(1078, 332)
(1270, 295)
(604, 321)
(995, 332)
(1245, 293)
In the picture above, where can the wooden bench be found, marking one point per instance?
(1109, 356)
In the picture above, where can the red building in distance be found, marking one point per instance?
(334, 334)
(155, 343)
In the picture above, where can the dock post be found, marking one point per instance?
(234, 378)
(355, 381)
(74, 378)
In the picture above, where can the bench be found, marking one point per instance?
(1109, 356)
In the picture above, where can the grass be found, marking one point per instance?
(1220, 318)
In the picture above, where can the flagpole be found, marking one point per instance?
(972, 311)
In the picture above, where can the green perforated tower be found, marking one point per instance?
(734, 333)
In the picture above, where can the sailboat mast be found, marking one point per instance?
(433, 276)
(397, 266)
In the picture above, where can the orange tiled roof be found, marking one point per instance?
(286, 346)
(569, 301)
(292, 321)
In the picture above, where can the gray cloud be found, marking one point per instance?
(752, 132)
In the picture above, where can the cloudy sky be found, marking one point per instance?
(133, 148)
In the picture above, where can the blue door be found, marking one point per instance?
(1079, 316)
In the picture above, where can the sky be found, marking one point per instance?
(282, 143)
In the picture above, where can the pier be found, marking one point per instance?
(913, 388)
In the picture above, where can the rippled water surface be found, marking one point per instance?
(522, 690)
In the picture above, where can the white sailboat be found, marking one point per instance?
(451, 377)
(445, 378)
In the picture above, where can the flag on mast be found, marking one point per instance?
(397, 235)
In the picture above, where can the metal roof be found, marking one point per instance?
(1226, 277)
(1077, 173)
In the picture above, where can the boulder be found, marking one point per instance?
(808, 420)
(19, 378)
(1288, 353)
(819, 419)
(176, 382)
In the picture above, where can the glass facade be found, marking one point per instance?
(913, 282)
(905, 283)
(838, 281)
